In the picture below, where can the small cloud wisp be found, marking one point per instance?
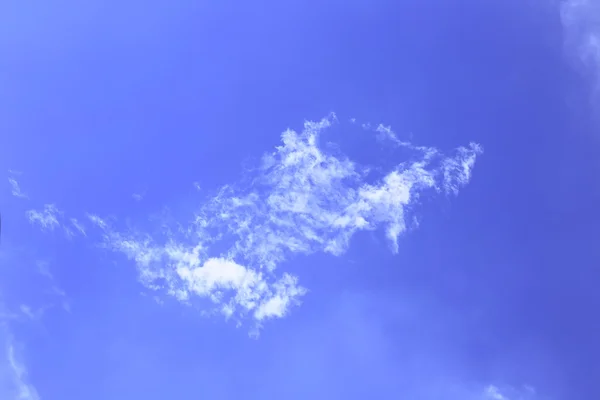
(16, 188)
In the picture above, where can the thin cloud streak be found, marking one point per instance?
(493, 392)
(23, 389)
(78, 226)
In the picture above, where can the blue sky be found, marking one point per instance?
(301, 199)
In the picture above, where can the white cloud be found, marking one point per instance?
(50, 218)
(184, 271)
(457, 170)
(25, 309)
(44, 269)
(34, 314)
(46, 218)
(23, 389)
(581, 19)
(300, 200)
(138, 196)
(16, 189)
(493, 392)
(581, 26)
(78, 226)
(385, 133)
(96, 220)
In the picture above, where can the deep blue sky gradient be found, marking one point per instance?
(497, 286)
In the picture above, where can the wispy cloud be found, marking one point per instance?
(24, 390)
(16, 189)
(73, 228)
(138, 196)
(185, 271)
(32, 314)
(300, 200)
(44, 270)
(493, 392)
(385, 133)
(51, 218)
(457, 170)
(46, 218)
(96, 220)
(581, 20)
(581, 26)
(78, 226)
